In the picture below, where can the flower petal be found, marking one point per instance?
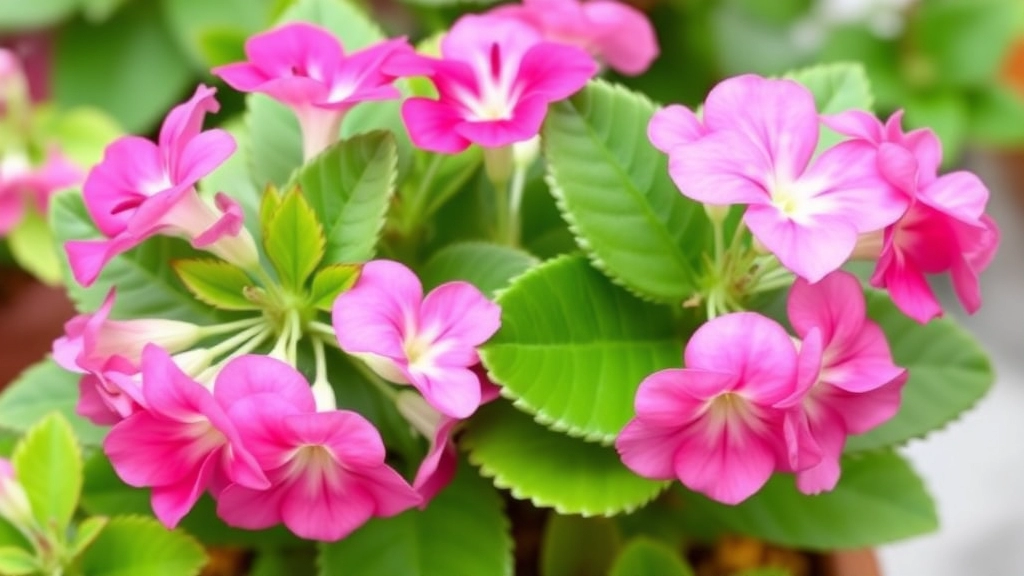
(376, 315)
(811, 249)
(673, 126)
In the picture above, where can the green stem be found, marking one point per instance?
(260, 330)
(515, 201)
(280, 350)
(215, 329)
(324, 330)
(295, 336)
(411, 213)
(322, 391)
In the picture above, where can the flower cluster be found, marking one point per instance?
(752, 400)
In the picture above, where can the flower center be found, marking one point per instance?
(730, 413)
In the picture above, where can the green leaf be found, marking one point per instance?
(947, 114)
(138, 56)
(45, 388)
(462, 531)
(146, 285)
(879, 499)
(188, 21)
(137, 546)
(86, 533)
(349, 186)
(573, 348)
(949, 373)
(17, 562)
(222, 45)
(997, 116)
(17, 16)
(608, 180)
(32, 246)
(331, 281)
(551, 469)
(294, 239)
(836, 87)
(215, 282)
(647, 557)
(487, 266)
(83, 133)
(49, 465)
(578, 545)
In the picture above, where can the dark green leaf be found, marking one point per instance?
(45, 388)
(489, 267)
(574, 545)
(646, 557)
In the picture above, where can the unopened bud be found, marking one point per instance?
(14, 504)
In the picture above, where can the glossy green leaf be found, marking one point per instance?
(614, 190)
(331, 281)
(487, 266)
(578, 545)
(879, 499)
(551, 469)
(836, 87)
(647, 557)
(949, 373)
(462, 531)
(40, 390)
(137, 546)
(17, 562)
(31, 243)
(349, 186)
(573, 348)
(86, 533)
(49, 465)
(294, 239)
(138, 56)
(215, 282)
(146, 285)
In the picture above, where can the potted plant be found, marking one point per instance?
(465, 308)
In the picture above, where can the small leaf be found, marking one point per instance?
(489, 267)
(137, 546)
(32, 246)
(577, 545)
(646, 557)
(270, 201)
(17, 562)
(44, 388)
(879, 499)
(294, 240)
(49, 466)
(836, 87)
(331, 281)
(215, 282)
(86, 533)
(551, 469)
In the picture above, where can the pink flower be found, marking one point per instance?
(713, 424)
(754, 147)
(613, 32)
(23, 186)
(182, 444)
(306, 68)
(427, 342)
(945, 229)
(141, 189)
(853, 384)
(326, 469)
(494, 84)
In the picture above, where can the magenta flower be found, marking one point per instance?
(713, 424)
(755, 147)
(306, 68)
(854, 385)
(141, 189)
(945, 229)
(326, 469)
(181, 445)
(613, 32)
(494, 82)
(429, 342)
(23, 186)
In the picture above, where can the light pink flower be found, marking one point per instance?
(945, 229)
(850, 385)
(713, 424)
(494, 82)
(306, 68)
(143, 188)
(22, 185)
(429, 342)
(613, 32)
(14, 504)
(181, 445)
(755, 147)
(327, 470)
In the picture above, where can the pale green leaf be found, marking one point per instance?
(836, 87)
(487, 266)
(331, 281)
(40, 390)
(573, 348)
(31, 244)
(613, 188)
(294, 239)
(646, 557)
(578, 545)
(86, 533)
(462, 531)
(189, 20)
(18, 15)
(137, 546)
(83, 133)
(879, 499)
(551, 469)
(215, 282)
(17, 562)
(49, 465)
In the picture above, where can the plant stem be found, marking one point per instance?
(215, 329)
(260, 330)
(322, 391)
(515, 201)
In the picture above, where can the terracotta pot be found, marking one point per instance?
(851, 563)
(31, 316)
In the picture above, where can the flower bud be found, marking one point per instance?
(14, 504)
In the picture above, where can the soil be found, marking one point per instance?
(31, 316)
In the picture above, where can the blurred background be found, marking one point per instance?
(99, 67)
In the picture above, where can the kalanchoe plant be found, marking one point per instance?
(379, 342)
